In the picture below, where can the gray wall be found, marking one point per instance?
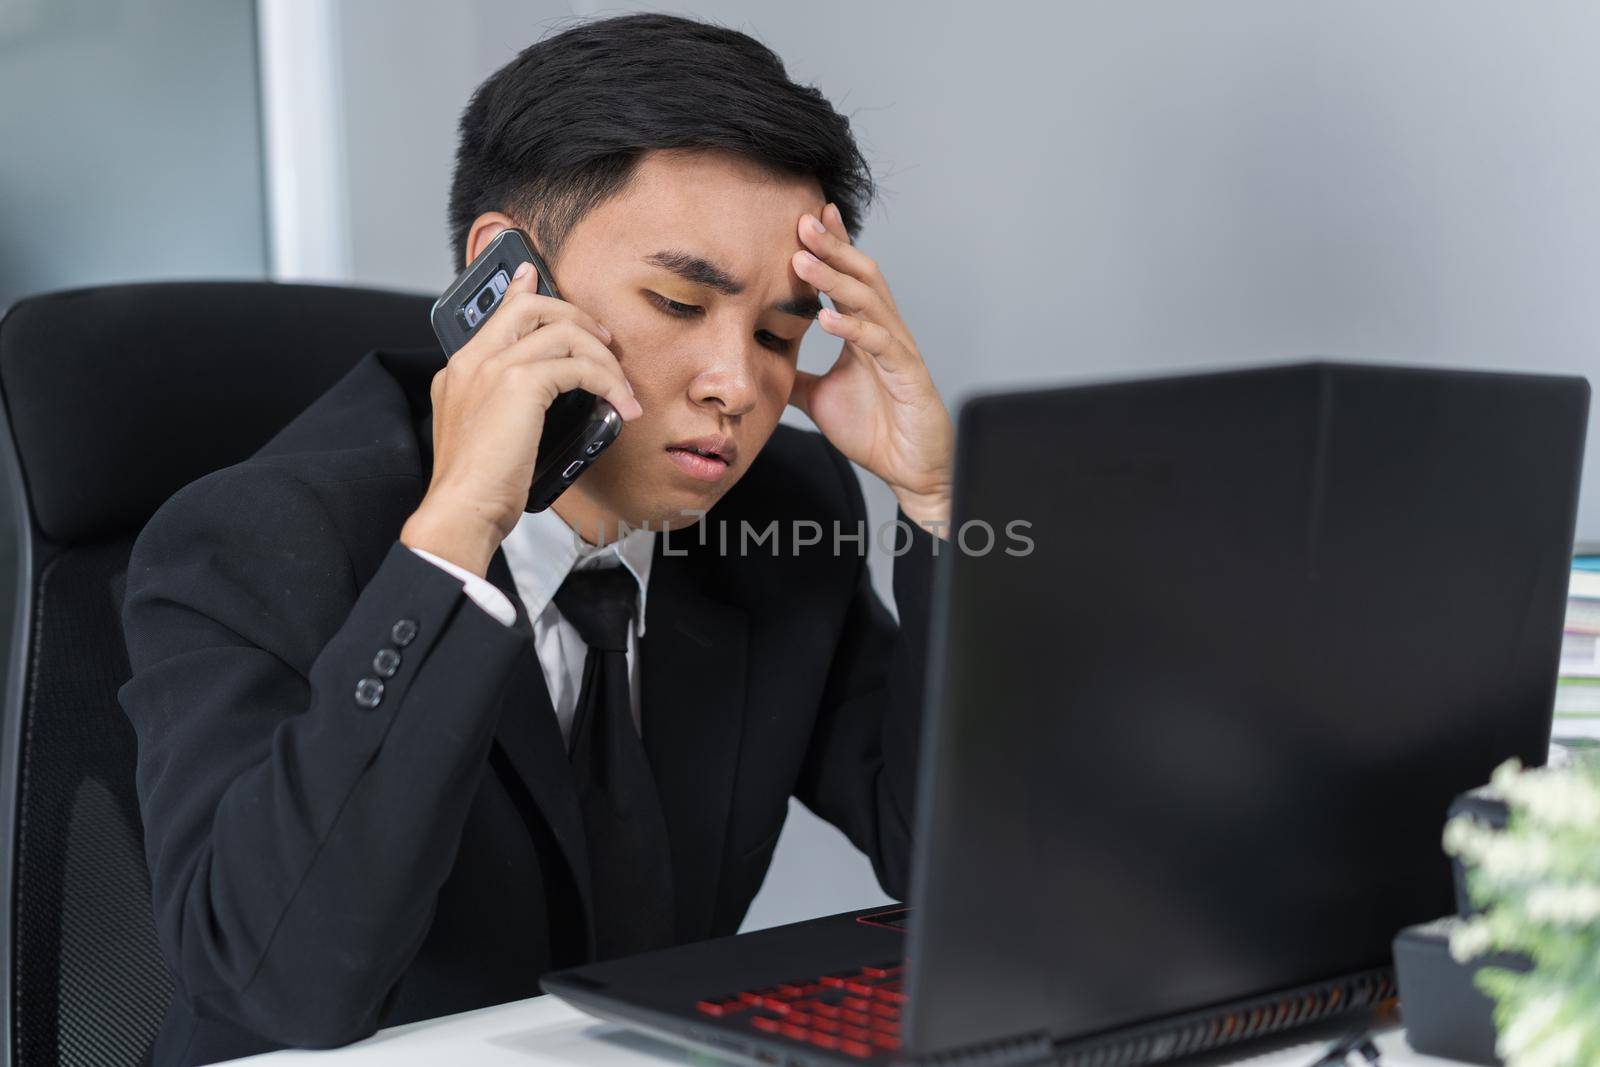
(1084, 189)
(131, 141)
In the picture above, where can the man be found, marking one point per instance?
(403, 747)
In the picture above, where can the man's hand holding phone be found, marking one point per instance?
(489, 405)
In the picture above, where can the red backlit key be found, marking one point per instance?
(834, 981)
(856, 1003)
(752, 996)
(855, 1018)
(856, 1048)
(796, 1032)
(720, 1007)
(882, 970)
(791, 989)
(777, 1004)
(886, 1041)
(859, 988)
(888, 1026)
(827, 1026)
(798, 1018)
(822, 1040)
(764, 1024)
(855, 1033)
(886, 1011)
(827, 1011)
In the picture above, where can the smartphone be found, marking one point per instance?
(579, 425)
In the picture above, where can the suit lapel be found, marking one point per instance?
(692, 673)
(531, 739)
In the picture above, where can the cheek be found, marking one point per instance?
(645, 351)
(774, 384)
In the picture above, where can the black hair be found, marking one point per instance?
(563, 126)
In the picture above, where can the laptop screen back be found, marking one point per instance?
(1198, 743)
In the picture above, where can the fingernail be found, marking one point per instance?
(815, 224)
(605, 330)
(809, 258)
(522, 270)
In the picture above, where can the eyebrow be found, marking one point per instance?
(700, 271)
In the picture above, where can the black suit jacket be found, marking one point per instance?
(321, 869)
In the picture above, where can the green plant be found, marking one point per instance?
(1538, 883)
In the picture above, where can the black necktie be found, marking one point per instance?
(630, 866)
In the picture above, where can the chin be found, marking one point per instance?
(666, 511)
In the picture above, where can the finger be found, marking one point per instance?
(499, 330)
(848, 293)
(523, 312)
(832, 219)
(557, 340)
(832, 246)
(882, 345)
(566, 342)
(851, 296)
(800, 395)
(590, 375)
(524, 280)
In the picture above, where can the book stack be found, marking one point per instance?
(1577, 711)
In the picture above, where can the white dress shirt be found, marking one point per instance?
(541, 550)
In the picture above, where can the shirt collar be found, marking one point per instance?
(542, 549)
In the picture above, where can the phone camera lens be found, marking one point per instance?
(486, 299)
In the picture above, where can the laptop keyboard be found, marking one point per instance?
(855, 1012)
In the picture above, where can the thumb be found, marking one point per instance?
(805, 383)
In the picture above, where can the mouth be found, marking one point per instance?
(705, 458)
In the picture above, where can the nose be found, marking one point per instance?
(727, 380)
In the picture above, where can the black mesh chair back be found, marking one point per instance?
(112, 399)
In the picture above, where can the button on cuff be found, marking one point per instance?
(386, 662)
(369, 691)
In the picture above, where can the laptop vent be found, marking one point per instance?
(1203, 1031)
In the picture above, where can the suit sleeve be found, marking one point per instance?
(297, 835)
(483, 592)
(860, 770)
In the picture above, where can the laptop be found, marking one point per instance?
(1185, 764)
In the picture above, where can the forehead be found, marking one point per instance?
(714, 204)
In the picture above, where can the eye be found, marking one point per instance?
(773, 341)
(672, 307)
(689, 311)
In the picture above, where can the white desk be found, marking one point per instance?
(545, 1032)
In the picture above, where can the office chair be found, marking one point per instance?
(111, 399)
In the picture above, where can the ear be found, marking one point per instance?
(485, 228)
